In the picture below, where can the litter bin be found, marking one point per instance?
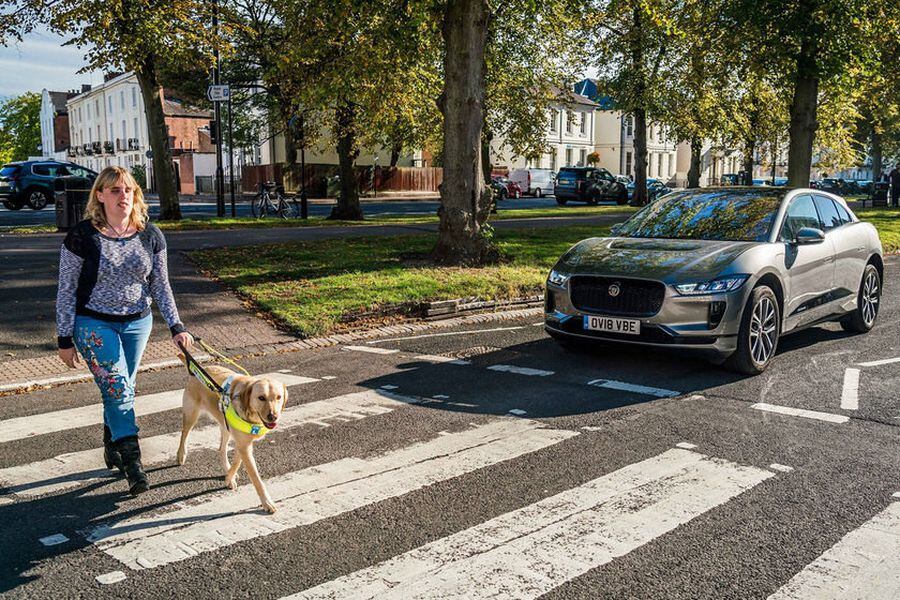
(333, 186)
(880, 193)
(71, 196)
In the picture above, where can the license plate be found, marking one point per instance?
(613, 325)
(565, 182)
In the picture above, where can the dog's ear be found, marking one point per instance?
(240, 391)
(284, 396)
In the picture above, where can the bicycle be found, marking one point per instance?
(270, 200)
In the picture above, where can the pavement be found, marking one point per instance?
(29, 264)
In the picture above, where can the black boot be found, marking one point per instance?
(110, 454)
(131, 461)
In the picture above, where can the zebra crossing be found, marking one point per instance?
(525, 552)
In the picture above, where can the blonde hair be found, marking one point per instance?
(108, 177)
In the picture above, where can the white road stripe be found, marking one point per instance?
(80, 468)
(878, 363)
(799, 412)
(865, 563)
(370, 349)
(529, 552)
(634, 388)
(443, 359)
(850, 394)
(318, 492)
(520, 370)
(444, 334)
(72, 418)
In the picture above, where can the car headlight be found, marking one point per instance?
(715, 286)
(557, 278)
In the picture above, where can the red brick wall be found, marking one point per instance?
(61, 132)
(186, 173)
(184, 130)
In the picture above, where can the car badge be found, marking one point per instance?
(614, 290)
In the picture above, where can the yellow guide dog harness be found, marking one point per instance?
(232, 419)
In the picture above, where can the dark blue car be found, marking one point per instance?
(32, 183)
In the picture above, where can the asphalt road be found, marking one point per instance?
(371, 207)
(519, 470)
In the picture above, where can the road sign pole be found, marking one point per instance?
(231, 158)
(220, 178)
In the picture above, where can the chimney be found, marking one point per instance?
(85, 87)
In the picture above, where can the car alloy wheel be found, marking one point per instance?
(37, 200)
(871, 295)
(763, 330)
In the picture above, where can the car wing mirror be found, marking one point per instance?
(616, 229)
(809, 235)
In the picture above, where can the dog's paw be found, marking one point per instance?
(182, 456)
(269, 506)
(233, 484)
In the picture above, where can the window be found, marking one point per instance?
(98, 133)
(134, 96)
(583, 122)
(629, 126)
(44, 169)
(801, 213)
(553, 160)
(122, 99)
(88, 108)
(124, 131)
(659, 165)
(97, 107)
(135, 130)
(570, 116)
(553, 117)
(568, 157)
(110, 105)
(628, 163)
(844, 214)
(582, 156)
(112, 135)
(828, 213)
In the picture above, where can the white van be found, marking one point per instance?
(536, 182)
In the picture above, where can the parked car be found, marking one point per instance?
(506, 188)
(534, 182)
(655, 189)
(730, 179)
(32, 183)
(723, 272)
(830, 184)
(588, 184)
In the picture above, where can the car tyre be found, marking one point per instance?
(868, 299)
(538, 193)
(504, 194)
(37, 199)
(622, 200)
(758, 334)
(561, 201)
(10, 205)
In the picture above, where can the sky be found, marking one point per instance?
(40, 61)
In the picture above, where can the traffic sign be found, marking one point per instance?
(218, 93)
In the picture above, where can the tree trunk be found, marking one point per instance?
(749, 149)
(877, 165)
(163, 168)
(348, 207)
(803, 114)
(395, 154)
(640, 196)
(465, 199)
(694, 172)
(640, 158)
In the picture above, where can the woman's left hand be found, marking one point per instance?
(184, 338)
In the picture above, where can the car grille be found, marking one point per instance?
(636, 297)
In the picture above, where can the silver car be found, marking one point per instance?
(722, 272)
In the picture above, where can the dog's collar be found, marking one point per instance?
(236, 422)
(233, 419)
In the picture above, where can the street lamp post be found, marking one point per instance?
(375, 179)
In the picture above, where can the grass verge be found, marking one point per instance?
(322, 287)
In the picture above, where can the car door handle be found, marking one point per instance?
(829, 259)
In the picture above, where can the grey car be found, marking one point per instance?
(723, 272)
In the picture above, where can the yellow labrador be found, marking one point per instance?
(256, 403)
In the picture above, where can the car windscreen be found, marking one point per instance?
(570, 174)
(706, 215)
(9, 170)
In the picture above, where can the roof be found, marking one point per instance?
(579, 99)
(59, 101)
(174, 108)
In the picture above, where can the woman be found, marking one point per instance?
(110, 266)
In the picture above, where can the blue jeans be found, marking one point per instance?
(113, 352)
